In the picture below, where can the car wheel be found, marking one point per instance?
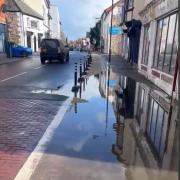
(67, 58)
(42, 61)
(62, 59)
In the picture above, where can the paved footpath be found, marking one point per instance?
(22, 124)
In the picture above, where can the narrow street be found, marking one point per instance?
(89, 90)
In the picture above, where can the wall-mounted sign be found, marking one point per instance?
(116, 30)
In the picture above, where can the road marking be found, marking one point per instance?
(13, 77)
(33, 160)
(38, 67)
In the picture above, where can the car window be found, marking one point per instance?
(61, 45)
(50, 43)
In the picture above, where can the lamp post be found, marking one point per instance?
(110, 40)
(108, 68)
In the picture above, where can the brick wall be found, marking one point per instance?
(13, 27)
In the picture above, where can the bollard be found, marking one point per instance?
(84, 86)
(75, 88)
(80, 70)
(85, 66)
(80, 91)
(75, 106)
(75, 78)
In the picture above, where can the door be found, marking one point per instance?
(35, 47)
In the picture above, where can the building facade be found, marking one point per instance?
(55, 23)
(2, 29)
(41, 7)
(158, 61)
(28, 25)
(106, 30)
(131, 25)
(150, 40)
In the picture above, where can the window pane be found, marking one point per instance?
(163, 138)
(169, 46)
(175, 49)
(163, 43)
(153, 123)
(158, 41)
(146, 45)
(149, 117)
(159, 128)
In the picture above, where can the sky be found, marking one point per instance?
(77, 16)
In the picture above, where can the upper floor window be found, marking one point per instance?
(34, 24)
(130, 4)
(166, 44)
(146, 44)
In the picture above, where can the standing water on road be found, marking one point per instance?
(96, 139)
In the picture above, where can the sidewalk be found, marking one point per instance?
(121, 67)
(5, 60)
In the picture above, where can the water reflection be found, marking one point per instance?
(101, 124)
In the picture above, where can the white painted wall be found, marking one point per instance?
(25, 22)
(40, 6)
(55, 27)
(106, 24)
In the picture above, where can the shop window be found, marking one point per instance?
(2, 45)
(156, 129)
(140, 104)
(166, 44)
(146, 44)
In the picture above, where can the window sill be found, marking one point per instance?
(168, 78)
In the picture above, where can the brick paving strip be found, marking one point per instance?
(33, 160)
(22, 124)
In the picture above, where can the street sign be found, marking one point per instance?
(116, 30)
(112, 83)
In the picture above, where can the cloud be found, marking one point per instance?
(78, 16)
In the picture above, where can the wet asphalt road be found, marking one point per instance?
(32, 74)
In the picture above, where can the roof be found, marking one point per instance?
(25, 9)
(109, 9)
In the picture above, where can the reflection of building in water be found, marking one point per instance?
(152, 115)
(125, 145)
(103, 84)
(125, 95)
(146, 110)
(142, 129)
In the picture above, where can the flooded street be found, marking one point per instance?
(96, 138)
(89, 90)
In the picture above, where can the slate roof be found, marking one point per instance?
(20, 6)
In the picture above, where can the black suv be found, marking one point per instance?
(53, 49)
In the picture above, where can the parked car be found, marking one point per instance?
(20, 51)
(54, 49)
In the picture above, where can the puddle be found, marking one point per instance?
(98, 125)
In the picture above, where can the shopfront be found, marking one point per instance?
(2, 29)
(2, 38)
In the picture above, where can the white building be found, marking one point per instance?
(105, 29)
(42, 8)
(27, 26)
(55, 23)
